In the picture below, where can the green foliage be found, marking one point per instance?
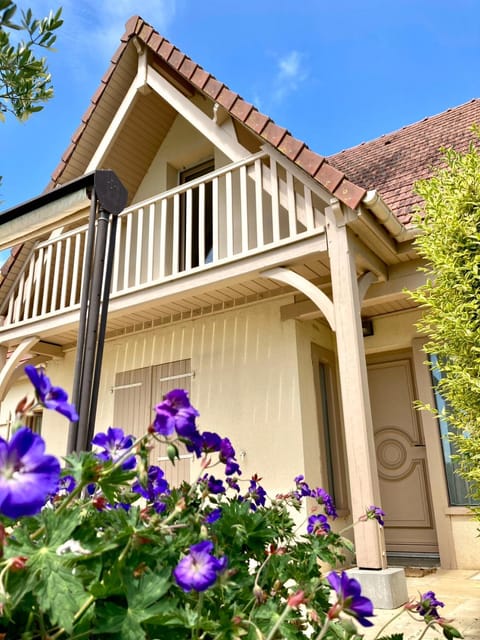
(25, 83)
(450, 244)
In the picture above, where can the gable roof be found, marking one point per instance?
(392, 163)
(178, 63)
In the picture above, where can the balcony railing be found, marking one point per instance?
(239, 210)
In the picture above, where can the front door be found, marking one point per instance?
(402, 466)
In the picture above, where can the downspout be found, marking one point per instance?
(374, 202)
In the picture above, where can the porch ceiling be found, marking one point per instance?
(209, 290)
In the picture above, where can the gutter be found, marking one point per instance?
(374, 202)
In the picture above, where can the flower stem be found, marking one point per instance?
(324, 629)
(431, 624)
(397, 615)
(276, 626)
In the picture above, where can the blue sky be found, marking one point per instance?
(334, 73)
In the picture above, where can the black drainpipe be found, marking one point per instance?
(108, 199)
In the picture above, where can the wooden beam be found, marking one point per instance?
(219, 136)
(364, 283)
(48, 349)
(9, 367)
(357, 417)
(367, 258)
(321, 300)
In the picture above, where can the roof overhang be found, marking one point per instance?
(54, 208)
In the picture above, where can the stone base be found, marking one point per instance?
(387, 588)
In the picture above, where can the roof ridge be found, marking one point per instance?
(315, 165)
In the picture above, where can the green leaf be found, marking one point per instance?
(59, 593)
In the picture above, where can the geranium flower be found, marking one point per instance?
(256, 494)
(375, 513)
(427, 606)
(318, 524)
(156, 488)
(175, 413)
(350, 600)
(27, 475)
(199, 569)
(214, 485)
(213, 516)
(49, 396)
(115, 443)
(326, 499)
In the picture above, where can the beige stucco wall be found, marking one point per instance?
(246, 384)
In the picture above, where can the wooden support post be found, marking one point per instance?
(362, 465)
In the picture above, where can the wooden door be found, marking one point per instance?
(402, 467)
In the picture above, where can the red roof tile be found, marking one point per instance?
(393, 163)
(259, 123)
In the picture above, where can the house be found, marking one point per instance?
(267, 280)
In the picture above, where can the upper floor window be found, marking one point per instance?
(196, 212)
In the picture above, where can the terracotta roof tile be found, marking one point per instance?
(86, 116)
(241, 109)
(257, 121)
(78, 133)
(98, 93)
(290, 146)
(155, 41)
(349, 193)
(200, 77)
(309, 161)
(329, 177)
(176, 58)
(187, 68)
(131, 27)
(393, 163)
(226, 98)
(68, 152)
(165, 49)
(118, 53)
(213, 87)
(274, 134)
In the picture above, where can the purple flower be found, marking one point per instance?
(256, 494)
(66, 485)
(318, 524)
(232, 467)
(49, 396)
(211, 442)
(199, 569)
(27, 475)
(175, 413)
(214, 485)
(427, 606)
(226, 450)
(375, 513)
(303, 490)
(349, 599)
(326, 499)
(233, 484)
(156, 486)
(213, 516)
(115, 444)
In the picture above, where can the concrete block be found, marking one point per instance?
(386, 588)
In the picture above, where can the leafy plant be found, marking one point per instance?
(450, 243)
(25, 83)
(105, 548)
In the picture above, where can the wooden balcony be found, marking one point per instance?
(197, 246)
